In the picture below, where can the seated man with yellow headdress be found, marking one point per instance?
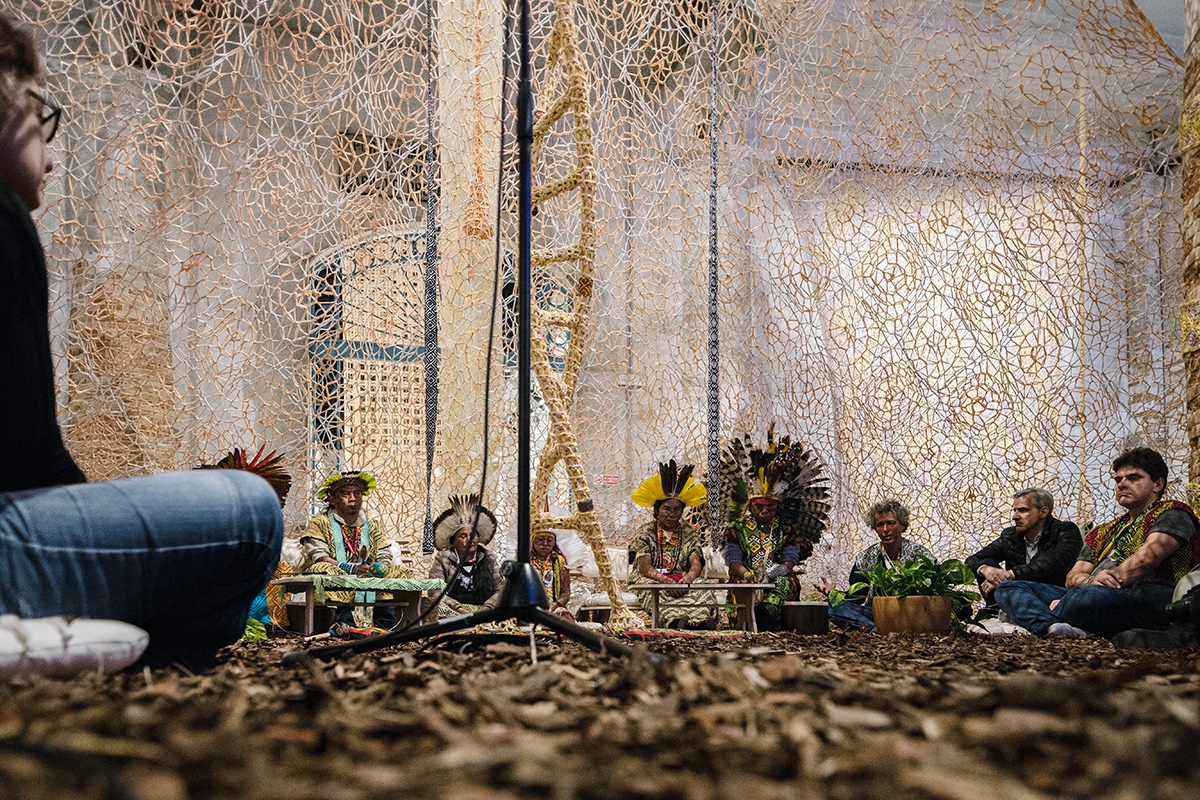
(344, 540)
(778, 504)
(667, 549)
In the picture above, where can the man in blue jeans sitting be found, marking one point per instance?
(180, 555)
(1126, 569)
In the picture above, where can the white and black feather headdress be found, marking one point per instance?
(465, 510)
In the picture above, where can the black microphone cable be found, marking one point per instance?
(487, 381)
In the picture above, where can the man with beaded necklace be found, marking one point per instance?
(667, 549)
(1127, 568)
(778, 502)
(345, 540)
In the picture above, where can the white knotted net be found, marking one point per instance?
(948, 234)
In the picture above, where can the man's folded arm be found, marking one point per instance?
(991, 555)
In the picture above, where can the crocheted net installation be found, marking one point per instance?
(948, 236)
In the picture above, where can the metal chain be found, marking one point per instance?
(432, 357)
(715, 504)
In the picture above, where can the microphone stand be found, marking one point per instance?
(523, 597)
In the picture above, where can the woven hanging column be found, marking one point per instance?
(716, 502)
(1189, 317)
(432, 361)
(470, 47)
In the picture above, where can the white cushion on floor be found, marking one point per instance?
(1186, 583)
(600, 599)
(996, 626)
(292, 554)
(60, 646)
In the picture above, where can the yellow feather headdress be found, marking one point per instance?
(337, 480)
(671, 481)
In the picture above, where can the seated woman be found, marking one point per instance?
(344, 540)
(667, 550)
(551, 564)
(461, 534)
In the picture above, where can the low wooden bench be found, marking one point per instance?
(743, 595)
(405, 593)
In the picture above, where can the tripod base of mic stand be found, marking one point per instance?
(523, 599)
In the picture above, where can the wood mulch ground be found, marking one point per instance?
(763, 716)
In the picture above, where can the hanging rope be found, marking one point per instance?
(432, 357)
(715, 501)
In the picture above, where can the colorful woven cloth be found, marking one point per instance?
(1121, 538)
(323, 583)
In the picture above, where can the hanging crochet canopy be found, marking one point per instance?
(944, 240)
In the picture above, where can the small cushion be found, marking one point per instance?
(61, 646)
(292, 554)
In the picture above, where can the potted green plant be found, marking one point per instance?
(916, 596)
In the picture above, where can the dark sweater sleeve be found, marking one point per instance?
(992, 555)
(857, 576)
(1052, 564)
(32, 453)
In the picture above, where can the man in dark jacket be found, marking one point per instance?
(1037, 547)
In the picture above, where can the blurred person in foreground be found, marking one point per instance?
(181, 555)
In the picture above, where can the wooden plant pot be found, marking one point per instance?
(919, 614)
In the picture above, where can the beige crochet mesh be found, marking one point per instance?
(948, 240)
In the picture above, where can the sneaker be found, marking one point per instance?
(1065, 629)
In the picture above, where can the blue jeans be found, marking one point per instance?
(1101, 610)
(849, 614)
(180, 555)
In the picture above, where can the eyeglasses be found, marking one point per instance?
(49, 117)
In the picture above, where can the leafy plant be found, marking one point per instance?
(255, 630)
(917, 576)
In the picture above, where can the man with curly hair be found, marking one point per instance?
(889, 519)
